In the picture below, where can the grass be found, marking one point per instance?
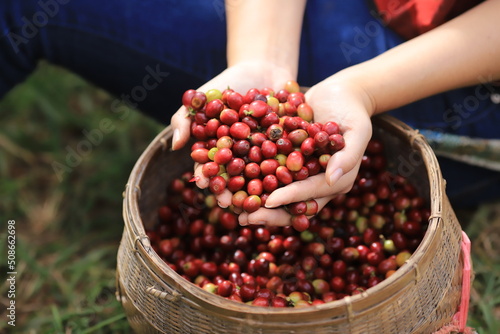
(69, 224)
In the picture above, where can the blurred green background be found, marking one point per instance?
(68, 219)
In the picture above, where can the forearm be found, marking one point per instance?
(462, 52)
(264, 30)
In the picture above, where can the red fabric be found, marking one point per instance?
(410, 18)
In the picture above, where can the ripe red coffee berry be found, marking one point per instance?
(297, 208)
(225, 288)
(284, 175)
(239, 130)
(217, 185)
(301, 174)
(323, 160)
(270, 183)
(321, 139)
(225, 94)
(252, 203)
(250, 121)
(284, 146)
(257, 138)
(234, 100)
(300, 223)
(223, 156)
(241, 148)
(312, 207)
(198, 101)
(200, 155)
(331, 128)
(199, 144)
(305, 112)
(229, 116)
(295, 99)
(307, 146)
(269, 149)
(282, 95)
(222, 131)
(252, 170)
(337, 142)
(295, 161)
(313, 129)
(292, 86)
(254, 187)
(269, 119)
(291, 123)
(214, 108)
(238, 198)
(187, 97)
(224, 142)
(235, 166)
(255, 154)
(258, 109)
(297, 137)
(210, 169)
(269, 166)
(250, 95)
(235, 183)
(313, 166)
(228, 220)
(198, 132)
(211, 133)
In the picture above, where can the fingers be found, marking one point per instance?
(224, 199)
(312, 187)
(180, 123)
(263, 216)
(349, 158)
(201, 181)
(274, 217)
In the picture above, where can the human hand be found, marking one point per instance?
(240, 77)
(350, 107)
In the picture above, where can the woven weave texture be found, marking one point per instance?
(421, 297)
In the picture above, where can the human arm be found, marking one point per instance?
(462, 52)
(262, 51)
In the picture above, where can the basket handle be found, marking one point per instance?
(463, 309)
(173, 297)
(459, 322)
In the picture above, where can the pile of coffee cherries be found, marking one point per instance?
(352, 244)
(254, 143)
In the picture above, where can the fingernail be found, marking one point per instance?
(175, 138)
(336, 175)
(222, 205)
(259, 222)
(270, 204)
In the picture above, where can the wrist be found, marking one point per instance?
(266, 55)
(349, 84)
(275, 72)
(265, 31)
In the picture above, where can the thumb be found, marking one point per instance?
(349, 158)
(180, 123)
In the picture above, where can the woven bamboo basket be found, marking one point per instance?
(421, 297)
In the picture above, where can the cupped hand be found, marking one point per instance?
(349, 106)
(240, 77)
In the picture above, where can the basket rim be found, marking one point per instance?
(372, 298)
